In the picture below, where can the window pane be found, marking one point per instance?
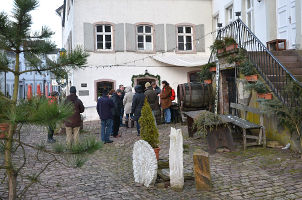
(188, 29)
(108, 29)
(108, 45)
(140, 29)
(99, 38)
(99, 28)
(107, 38)
(180, 29)
(100, 45)
(147, 29)
(140, 46)
(181, 46)
(188, 39)
(149, 46)
(180, 38)
(189, 46)
(140, 38)
(148, 38)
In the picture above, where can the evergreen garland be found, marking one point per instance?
(149, 132)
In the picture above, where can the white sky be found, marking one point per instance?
(44, 15)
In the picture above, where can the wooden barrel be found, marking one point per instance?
(194, 96)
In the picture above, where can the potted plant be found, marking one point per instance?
(218, 45)
(230, 44)
(248, 70)
(205, 74)
(212, 67)
(4, 110)
(149, 132)
(238, 58)
(207, 122)
(261, 89)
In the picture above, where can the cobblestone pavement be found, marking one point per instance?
(255, 174)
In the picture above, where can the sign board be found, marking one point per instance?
(83, 92)
(83, 84)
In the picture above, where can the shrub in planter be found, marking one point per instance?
(238, 58)
(230, 43)
(205, 73)
(249, 71)
(149, 132)
(261, 90)
(206, 122)
(218, 45)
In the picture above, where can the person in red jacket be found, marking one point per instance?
(165, 100)
(53, 98)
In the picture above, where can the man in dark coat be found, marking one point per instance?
(104, 108)
(153, 100)
(137, 105)
(156, 88)
(116, 111)
(73, 124)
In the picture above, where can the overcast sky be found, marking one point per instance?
(45, 14)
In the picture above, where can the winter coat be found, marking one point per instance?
(165, 95)
(75, 119)
(127, 101)
(118, 104)
(138, 102)
(152, 98)
(104, 107)
(157, 90)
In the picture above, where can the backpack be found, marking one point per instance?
(172, 97)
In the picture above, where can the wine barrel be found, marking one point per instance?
(194, 96)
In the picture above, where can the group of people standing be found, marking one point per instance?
(112, 107)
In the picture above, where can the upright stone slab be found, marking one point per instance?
(202, 170)
(176, 159)
(144, 163)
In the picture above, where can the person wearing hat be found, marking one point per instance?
(104, 108)
(52, 99)
(73, 123)
(152, 99)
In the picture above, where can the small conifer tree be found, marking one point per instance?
(149, 132)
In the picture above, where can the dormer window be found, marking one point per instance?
(104, 37)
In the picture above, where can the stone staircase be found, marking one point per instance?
(292, 61)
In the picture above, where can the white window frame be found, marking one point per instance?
(103, 34)
(230, 14)
(250, 10)
(144, 34)
(184, 35)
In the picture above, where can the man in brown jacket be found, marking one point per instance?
(73, 124)
(153, 100)
(165, 100)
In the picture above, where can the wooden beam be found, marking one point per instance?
(202, 170)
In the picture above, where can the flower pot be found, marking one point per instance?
(212, 69)
(252, 78)
(209, 81)
(3, 129)
(219, 51)
(231, 47)
(156, 150)
(265, 96)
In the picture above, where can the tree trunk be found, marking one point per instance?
(11, 174)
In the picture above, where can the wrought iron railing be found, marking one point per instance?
(268, 66)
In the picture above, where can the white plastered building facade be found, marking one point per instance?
(131, 42)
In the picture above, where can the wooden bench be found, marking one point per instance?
(246, 125)
(273, 45)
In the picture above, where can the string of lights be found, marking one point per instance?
(126, 64)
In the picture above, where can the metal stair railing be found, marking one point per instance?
(268, 66)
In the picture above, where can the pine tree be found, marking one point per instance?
(16, 38)
(149, 131)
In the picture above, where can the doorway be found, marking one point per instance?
(143, 81)
(103, 85)
(286, 19)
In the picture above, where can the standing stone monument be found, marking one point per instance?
(176, 159)
(202, 170)
(144, 163)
